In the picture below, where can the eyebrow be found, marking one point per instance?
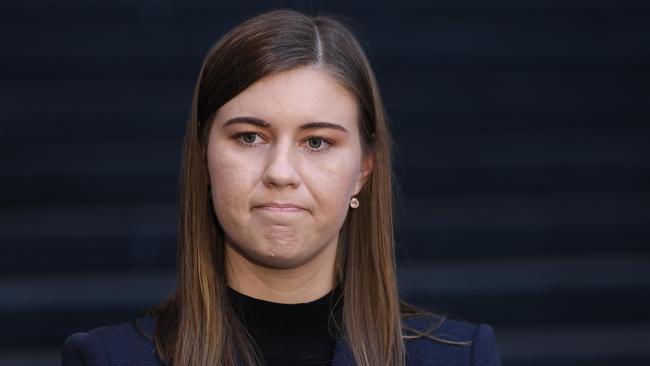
(262, 123)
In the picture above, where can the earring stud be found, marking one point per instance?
(354, 202)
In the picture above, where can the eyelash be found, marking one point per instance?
(239, 136)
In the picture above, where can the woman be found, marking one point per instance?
(286, 253)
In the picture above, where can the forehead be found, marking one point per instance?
(294, 97)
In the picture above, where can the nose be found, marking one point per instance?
(280, 169)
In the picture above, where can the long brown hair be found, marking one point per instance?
(197, 325)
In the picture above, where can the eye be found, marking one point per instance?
(315, 143)
(247, 138)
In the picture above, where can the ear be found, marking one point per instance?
(366, 168)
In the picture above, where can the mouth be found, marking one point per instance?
(281, 207)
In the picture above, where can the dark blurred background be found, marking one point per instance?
(523, 153)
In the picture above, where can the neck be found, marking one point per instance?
(304, 283)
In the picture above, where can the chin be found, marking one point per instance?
(281, 260)
(276, 258)
(278, 253)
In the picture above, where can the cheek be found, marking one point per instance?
(231, 181)
(333, 182)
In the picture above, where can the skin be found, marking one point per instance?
(285, 255)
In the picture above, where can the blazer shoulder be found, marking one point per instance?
(129, 343)
(484, 347)
(450, 342)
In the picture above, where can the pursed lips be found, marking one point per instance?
(281, 207)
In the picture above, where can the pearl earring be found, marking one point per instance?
(354, 202)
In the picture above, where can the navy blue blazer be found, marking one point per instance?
(122, 344)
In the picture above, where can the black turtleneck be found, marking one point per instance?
(290, 334)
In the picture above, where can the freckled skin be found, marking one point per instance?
(280, 165)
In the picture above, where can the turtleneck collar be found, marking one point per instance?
(289, 334)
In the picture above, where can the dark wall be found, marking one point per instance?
(523, 152)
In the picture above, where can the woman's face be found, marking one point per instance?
(284, 159)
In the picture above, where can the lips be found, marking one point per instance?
(281, 207)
